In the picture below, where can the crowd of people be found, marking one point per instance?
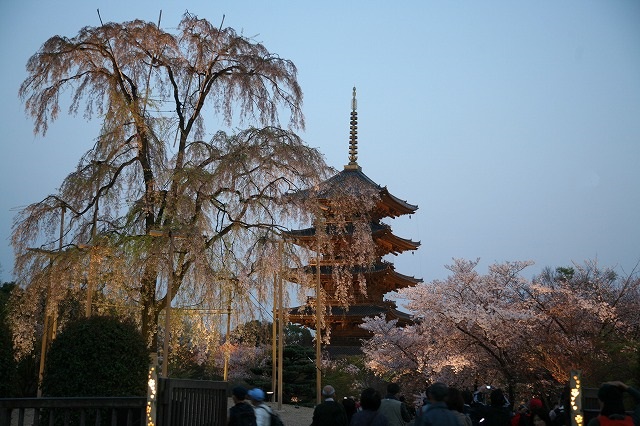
(442, 406)
(446, 406)
(251, 412)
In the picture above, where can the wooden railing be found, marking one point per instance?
(125, 411)
(192, 403)
(179, 403)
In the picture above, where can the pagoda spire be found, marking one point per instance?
(353, 136)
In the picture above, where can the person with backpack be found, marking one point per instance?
(264, 414)
(612, 412)
(241, 413)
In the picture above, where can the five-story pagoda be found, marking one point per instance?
(353, 277)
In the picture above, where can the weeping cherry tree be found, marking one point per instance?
(159, 202)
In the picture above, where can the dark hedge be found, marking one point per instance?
(97, 356)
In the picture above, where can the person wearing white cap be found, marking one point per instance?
(263, 411)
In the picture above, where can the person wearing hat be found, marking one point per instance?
(329, 412)
(262, 410)
(241, 414)
(612, 410)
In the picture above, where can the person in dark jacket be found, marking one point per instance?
(612, 407)
(349, 404)
(540, 417)
(436, 412)
(455, 402)
(370, 414)
(329, 412)
(241, 414)
(497, 413)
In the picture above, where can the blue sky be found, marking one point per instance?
(513, 125)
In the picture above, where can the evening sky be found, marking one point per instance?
(513, 125)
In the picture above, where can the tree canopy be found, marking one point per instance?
(503, 329)
(160, 199)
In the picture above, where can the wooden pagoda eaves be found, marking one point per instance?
(388, 242)
(354, 180)
(381, 277)
(351, 179)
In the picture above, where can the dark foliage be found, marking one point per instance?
(7, 362)
(97, 356)
(299, 375)
(297, 335)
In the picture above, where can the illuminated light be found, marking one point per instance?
(152, 391)
(577, 418)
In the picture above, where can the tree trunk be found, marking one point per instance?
(149, 312)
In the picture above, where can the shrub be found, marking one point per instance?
(97, 356)
(7, 361)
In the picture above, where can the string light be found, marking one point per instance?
(576, 399)
(152, 392)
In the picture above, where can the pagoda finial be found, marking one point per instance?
(353, 139)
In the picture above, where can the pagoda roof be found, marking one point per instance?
(391, 279)
(385, 238)
(380, 269)
(354, 180)
(355, 311)
(369, 311)
(351, 181)
(339, 351)
(391, 242)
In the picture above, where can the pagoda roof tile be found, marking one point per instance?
(353, 179)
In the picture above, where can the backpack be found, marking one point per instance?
(246, 418)
(274, 419)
